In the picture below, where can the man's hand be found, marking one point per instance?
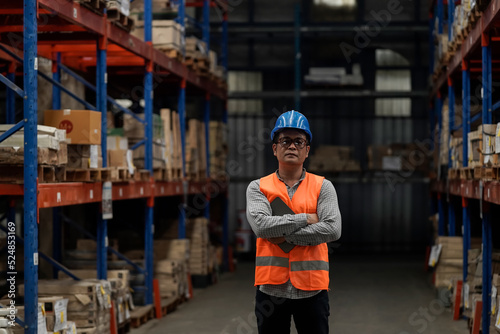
(277, 240)
(312, 218)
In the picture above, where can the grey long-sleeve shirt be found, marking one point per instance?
(294, 227)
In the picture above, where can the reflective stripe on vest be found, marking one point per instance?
(305, 266)
(271, 261)
(309, 265)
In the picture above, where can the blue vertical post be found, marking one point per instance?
(465, 162)
(101, 103)
(56, 75)
(206, 24)
(451, 125)
(225, 222)
(148, 100)
(30, 67)
(207, 148)
(182, 124)
(10, 97)
(487, 232)
(298, 55)
(486, 78)
(440, 15)
(451, 12)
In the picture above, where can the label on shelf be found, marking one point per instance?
(107, 200)
(42, 322)
(130, 163)
(35, 259)
(94, 154)
(35, 65)
(497, 322)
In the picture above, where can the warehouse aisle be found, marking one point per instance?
(372, 295)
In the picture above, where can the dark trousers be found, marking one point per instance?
(274, 314)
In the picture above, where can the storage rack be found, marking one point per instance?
(476, 50)
(117, 47)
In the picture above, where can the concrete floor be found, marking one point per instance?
(372, 295)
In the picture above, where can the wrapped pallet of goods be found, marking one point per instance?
(196, 156)
(197, 232)
(173, 146)
(89, 302)
(52, 154)
(218, 150)
(120, 291)
(171, 267)
(450, 261)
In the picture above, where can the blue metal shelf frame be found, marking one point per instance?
(486, 214)
(29, 122)
(30, 61)
(148, 111)
(451, 122)
(465, 162)
(442, 223)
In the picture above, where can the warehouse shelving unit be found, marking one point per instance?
(474, 55)
(95, 41)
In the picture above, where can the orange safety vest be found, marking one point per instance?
(305, 266)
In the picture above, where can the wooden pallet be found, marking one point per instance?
(453, 174)
(46, 173)
(140, 315)
(119, 19)
(97, 6)
(78, 175)
(109, 174)
(159, 174)
(172, 53)
(169, 305)
(124, 327)
(467, 173)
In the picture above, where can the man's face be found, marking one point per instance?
(288, 150)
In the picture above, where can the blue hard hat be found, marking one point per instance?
(292, 120)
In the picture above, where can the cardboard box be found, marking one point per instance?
(82, 126)
(116, 143)
(117, 158)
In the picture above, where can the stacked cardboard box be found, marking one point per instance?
(82, 126)
(167, 34)
(445, 134)
(52, 146)
(197, 232)
(450, 261)
(117, 148)
(196, 48)
(487, 135)
(120, 290)
(171, 265)
(135, 132)
(84, 156)
(173, 146)
(89, 301)
(474, 146)
(218, 149)
(329, 158)
(196, 156)
(457, 152)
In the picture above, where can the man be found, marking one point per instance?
(294, 214)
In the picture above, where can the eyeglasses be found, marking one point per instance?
(298, 142)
